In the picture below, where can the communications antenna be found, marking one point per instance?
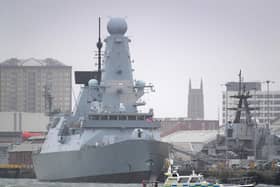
(99, 46)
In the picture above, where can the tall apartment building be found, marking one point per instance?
(195, 102)
(267, 103)
(33, 85)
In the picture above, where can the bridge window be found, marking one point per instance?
(104, 117)
(113, 117)
(122, 117)
(148, 117)
(93, 117)
(131, 117)
(140, 117)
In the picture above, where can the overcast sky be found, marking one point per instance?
(172, 41)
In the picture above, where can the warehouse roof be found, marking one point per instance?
(199, 136)
(25, 147)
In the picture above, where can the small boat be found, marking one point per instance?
(193, 180)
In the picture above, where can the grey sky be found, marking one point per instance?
(172, 41)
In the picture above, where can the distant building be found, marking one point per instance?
(187, 136)
(268, 108)
(22, 154)
(249, 86)
(195, 102)
(22, 121)
(33, 85)
(12, 128)
(275, 126)
(6, 139)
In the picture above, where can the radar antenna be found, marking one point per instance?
(99, 46)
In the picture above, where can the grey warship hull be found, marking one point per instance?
(106, 138)
(124, 162)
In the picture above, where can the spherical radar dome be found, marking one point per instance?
(92, 83)
(117, 26)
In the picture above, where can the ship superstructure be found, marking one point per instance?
(106, 139)
(244, 139)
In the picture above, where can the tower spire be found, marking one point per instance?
(201, 84)
(190, 84)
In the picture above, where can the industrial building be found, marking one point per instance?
(30, 89)
(172, 125)
(187, 136)
(12, 127)
(22, 121)
(33, 85)
(265, 102)
(189, 141)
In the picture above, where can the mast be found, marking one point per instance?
(243, 97)
(99, 46)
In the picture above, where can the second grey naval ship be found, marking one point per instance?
(106, 139)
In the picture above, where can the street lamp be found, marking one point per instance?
(226, 121)
(255, 104)
(255, 121)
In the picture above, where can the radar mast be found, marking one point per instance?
(99, 46)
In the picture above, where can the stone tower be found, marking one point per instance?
(195, 102)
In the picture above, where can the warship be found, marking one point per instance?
(244, 138)
(106, 138)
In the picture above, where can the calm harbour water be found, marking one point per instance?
(35, 183)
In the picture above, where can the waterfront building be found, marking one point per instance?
(22, 121)
(266, 102)
(186, 135)
(172, 125)
(13, 127)
(6, 139)
(33, 85)
(195, 102)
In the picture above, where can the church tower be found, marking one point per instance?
(195, 102)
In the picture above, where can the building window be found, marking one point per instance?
(277, 96)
